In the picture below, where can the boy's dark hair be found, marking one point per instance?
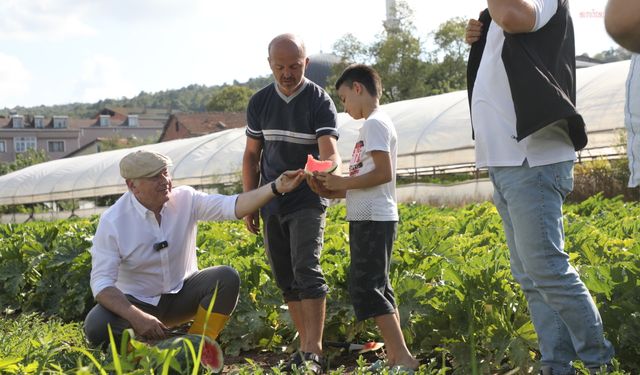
(363, 74)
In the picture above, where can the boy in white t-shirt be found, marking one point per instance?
(372, 210)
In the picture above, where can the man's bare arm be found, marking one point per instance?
(143, 324)
(513, 16)
(622, 21)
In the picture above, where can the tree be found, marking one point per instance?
(406, 68)
(23, 160)
(399, 63)
(115, 142)
(448, 63)
(230, 99)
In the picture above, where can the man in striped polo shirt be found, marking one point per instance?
(286, 121)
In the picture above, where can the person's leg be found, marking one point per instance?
(397, 352)
(556, 348)
(633, 140)
(313, 313)
(371, 245)
(306, 229)
(99, 318)
(278, 251)
(96, 322)
(297, 316)
(194, 297)
(558, 299)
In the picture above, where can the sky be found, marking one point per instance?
(66, 51)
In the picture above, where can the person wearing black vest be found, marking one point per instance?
(522, 94)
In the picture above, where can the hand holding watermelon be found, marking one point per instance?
(331, 182)
(315, 168)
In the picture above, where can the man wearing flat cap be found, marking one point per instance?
(144, 271)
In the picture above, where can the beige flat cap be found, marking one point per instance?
(140, 164)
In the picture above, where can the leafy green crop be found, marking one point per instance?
(450, 272)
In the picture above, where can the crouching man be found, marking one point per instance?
(144, 272)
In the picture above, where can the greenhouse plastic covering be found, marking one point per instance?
(432, 132)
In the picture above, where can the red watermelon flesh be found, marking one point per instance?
(212, 356)
(314, 165)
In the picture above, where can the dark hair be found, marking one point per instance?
(363, 74)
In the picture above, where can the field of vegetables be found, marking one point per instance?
(459, 304)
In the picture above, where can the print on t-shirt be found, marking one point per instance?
(356, 162)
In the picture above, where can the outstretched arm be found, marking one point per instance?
(622, 21)
(250, 202)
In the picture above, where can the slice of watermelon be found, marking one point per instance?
(212, 357)
(314, 165)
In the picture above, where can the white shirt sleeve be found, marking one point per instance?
(105, 258)
(214, 206)
(377, 137)
(545, 9)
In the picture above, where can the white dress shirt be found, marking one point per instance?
(123, 254)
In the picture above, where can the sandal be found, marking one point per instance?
(295, 361)
(313, 363)
(304, 361)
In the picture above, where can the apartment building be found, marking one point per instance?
(60, 136)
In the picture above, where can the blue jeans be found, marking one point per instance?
(564, 315)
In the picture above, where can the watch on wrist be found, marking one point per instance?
(274, 189)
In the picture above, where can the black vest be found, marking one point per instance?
(541, 69)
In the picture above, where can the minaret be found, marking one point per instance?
(392, 23)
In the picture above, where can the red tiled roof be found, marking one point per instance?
(207, 122)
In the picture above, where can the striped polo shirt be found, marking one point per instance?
(289, 128)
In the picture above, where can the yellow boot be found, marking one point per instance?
(214, 325)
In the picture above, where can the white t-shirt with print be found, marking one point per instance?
(494, 116)
(376, 203)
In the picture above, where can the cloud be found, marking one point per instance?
(44, 19)
(102, 78)
(14, 80)
(35, 20)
